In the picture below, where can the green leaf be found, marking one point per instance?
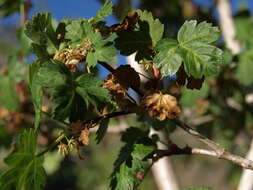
(156, 28)
(63, 97)
(8, 94)
(25, 42)
(42, 33)
(51, 74)
(90, 88)
(168, 60)
(200, 57)
(91, 59)
(78, 30)
(191, 32)
(102, 130)
(105, 53)
(131, 161)
(36, 91)
(81, 31)
(8, 7)
(25, 169)
(103, 12)
(245, 68)
(129, 42)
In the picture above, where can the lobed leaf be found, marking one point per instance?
(131, 161)
(156, 28)
(90, 88)
(102, 130)
(42, 33)
(103, 12)
(200, 57)
(51, 74)
(24, 165)
(168, 60)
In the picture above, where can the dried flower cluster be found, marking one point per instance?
(74, 55)
(161, 106)
(119, 81)
(64, 149)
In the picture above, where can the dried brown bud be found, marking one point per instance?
(128, 23)
(84, 136)
(115, 88)
(120, 80)
(161, 106)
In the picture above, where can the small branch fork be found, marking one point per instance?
(175, 150)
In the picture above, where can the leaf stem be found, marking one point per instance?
(52, 145)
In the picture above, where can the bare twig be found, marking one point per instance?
(218, 151)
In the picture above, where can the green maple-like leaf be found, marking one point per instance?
(52, 74)
(42, 34)
(200, 57)
(129, 42)
(194, 47)
(103, 12)
(8, 7)
(36, 91)
(131, 160)
(168, 60)
(90, 88)
(25, 168)
(80, 31)
(146, 34)
(156, 28)
(102, 130)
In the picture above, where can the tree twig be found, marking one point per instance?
(175, 150)
(218, 151)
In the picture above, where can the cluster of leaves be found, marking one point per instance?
(24, 165)
(78, 95)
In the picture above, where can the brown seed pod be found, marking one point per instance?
(161, 106)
